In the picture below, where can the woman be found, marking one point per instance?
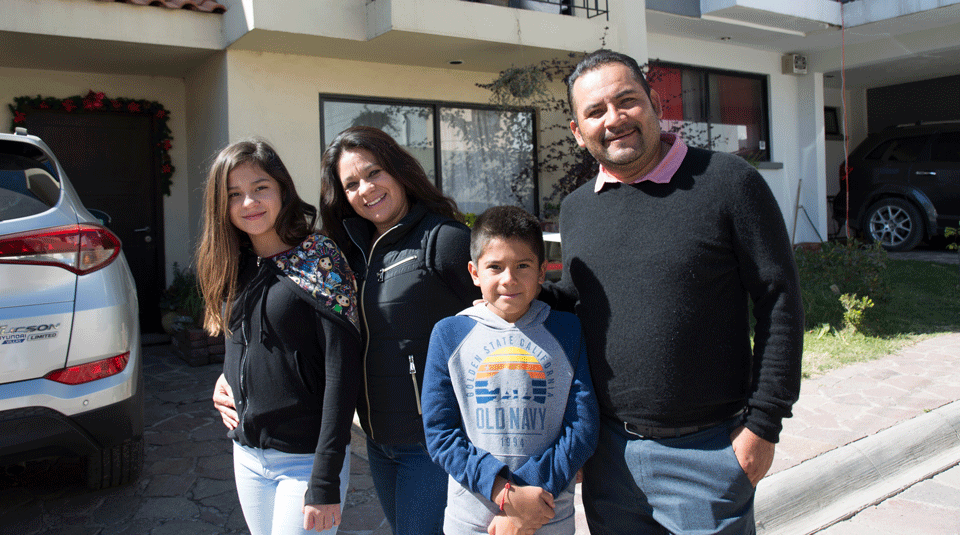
(286, 300)
(408, 245)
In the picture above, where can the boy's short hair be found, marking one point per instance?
(506, 222)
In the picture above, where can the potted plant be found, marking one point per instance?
(184, 319)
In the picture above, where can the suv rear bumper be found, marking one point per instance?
(36, 432)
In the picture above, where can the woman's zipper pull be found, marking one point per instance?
(416, 387)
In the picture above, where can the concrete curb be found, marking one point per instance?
(844, 481)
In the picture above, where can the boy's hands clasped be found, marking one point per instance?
(525, 509)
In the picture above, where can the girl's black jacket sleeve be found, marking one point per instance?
(293, 359)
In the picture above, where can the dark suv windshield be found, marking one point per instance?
(26, 188)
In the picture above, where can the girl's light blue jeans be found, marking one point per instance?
(271, 485)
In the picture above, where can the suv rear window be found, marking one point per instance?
(904, 149)
(26, 187)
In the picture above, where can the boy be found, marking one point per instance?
(508, 405)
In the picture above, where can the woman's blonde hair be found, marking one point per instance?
(218, 256)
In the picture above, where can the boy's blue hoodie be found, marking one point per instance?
(509, 399)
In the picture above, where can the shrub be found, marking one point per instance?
(840, 268)
(183, 295)
(853, 311)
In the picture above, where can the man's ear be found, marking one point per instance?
(474, 274)
(655, 102)
(543, 272)
(575, 128)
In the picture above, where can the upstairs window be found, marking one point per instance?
(718, 110)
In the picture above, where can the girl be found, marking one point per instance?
(292, 343)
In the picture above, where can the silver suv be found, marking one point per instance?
(71, 379)
(904, 185)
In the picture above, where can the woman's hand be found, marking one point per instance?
(321, 517)
(223, 401)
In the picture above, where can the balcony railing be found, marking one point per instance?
(577, 8)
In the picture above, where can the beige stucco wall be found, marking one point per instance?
(167, 91)
(207, 128)
(111, 21)
(277, 97)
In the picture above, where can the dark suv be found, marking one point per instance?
(904, 185)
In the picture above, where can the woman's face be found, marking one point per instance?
(374, 195)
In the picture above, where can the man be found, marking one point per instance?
(663, 253)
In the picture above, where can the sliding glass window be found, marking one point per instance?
(480, 155)
(719, 110)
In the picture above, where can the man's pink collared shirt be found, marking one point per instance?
(661, 174)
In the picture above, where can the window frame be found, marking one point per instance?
(436, 106)
(707, 72)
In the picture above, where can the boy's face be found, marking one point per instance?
(509, 277)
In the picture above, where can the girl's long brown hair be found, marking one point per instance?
(396, 161)
(218, 256)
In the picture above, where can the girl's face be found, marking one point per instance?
(374, 195)
(254, 203)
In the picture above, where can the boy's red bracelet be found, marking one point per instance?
(503, 498)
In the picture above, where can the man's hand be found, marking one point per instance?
(754, 453)
(321, 517)
(223, 401)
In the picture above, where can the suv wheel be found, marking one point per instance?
(115, 465)
(894, 223)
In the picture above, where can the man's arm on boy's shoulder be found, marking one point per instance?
(447, 441)
(560, 295)
(558, 465)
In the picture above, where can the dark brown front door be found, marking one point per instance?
(112, 164)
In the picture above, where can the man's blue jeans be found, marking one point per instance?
(690, 485)
(411, 487)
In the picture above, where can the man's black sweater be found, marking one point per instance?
(663, 274)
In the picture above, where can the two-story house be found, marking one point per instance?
(162, 85)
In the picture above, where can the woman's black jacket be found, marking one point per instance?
(413, 276)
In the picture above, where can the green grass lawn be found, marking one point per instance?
(923, 300)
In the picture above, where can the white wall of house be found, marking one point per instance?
(208, 132)
(833, 98)
(276, 96)
(167, 91)
(791, 101)
(112, 22)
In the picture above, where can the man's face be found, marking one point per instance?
(616, 121)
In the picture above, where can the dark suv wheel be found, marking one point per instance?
(894, 223)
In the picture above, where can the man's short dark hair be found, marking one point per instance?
(597, 59)
(506, 222)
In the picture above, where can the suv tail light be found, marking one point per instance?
(82, 248)
(90, 371)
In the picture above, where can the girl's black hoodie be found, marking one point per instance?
(293, 358)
